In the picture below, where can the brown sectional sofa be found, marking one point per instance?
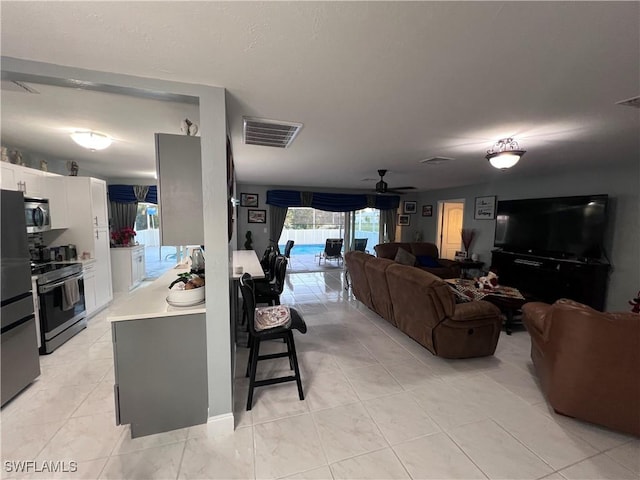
(588, 362)
(423, 306)
(447, 268)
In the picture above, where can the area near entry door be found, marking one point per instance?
(451, 217)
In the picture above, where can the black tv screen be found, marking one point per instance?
(562, 227)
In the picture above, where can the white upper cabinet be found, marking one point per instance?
(99, 203)
(179, 189)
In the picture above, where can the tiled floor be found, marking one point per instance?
(377, 405)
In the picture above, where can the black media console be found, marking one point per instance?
(549, 279)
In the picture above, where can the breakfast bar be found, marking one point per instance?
(160, 360)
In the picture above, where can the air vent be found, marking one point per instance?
(435, 160)
(269, 133)
(16, 86)
(367, 179)
(630, 102)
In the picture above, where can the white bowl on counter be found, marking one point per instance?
(185, 298)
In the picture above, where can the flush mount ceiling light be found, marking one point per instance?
(504, 154)
(91, 140)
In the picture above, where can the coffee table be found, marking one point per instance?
(508, 299)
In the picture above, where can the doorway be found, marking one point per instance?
(450, 221)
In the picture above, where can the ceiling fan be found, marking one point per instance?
(383, 187)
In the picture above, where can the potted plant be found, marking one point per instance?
(123, 237)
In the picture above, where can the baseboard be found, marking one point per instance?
(220, 424)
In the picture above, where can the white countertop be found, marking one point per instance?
(248, 260)
(150, 301)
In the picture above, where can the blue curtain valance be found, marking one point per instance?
(125, 194)
(332, 202)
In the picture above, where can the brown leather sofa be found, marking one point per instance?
(423, 306)
(588, 362)
(446, 269)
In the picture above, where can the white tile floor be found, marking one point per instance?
(377, 405)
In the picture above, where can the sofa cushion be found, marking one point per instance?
(389, 250)
(427, 261)
(405, 258)
(424, 248)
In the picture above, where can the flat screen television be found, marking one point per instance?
(561, 227)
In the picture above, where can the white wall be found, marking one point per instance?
(620, 182)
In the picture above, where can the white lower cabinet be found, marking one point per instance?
(89, 270)
(127, 267)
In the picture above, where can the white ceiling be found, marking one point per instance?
(376, 84)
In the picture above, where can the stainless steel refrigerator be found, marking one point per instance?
(19, 349)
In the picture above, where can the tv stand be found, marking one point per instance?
(549, 279)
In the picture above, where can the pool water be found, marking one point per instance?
(305, 249)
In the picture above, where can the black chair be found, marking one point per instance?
(265, 260)
(360, 245)
(269, 292)
(287, 249)
(268, 263)
(255, 337)
(332, 251)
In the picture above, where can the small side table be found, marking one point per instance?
(468, 265)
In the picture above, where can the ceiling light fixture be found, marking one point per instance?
(504, 154)
(91, 140)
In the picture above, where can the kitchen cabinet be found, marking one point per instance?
(39, 184)
(25, 179)
(89, 231)
(179, 189)
(89, 271)
(127, 267)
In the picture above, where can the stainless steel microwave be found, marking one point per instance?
(36, 212)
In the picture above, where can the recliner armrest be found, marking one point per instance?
(477, 310)
(534, 318)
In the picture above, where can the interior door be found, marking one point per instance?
(451, 224)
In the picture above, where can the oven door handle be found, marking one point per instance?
(47, 288)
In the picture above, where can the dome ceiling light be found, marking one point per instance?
(91, 140)
(505, 153)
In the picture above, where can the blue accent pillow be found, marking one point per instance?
(427, 261)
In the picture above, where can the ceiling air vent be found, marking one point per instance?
(269, 133)
(630, 102)
(435, 160)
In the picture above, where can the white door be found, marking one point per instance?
(452, 214)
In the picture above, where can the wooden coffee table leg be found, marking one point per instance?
(508, 312)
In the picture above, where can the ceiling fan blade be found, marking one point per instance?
(396, 192)
(404, 188)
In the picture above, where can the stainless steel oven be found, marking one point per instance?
(62, 303)
(36, 214)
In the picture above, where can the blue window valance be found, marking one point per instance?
(331, 202)
(125, 194)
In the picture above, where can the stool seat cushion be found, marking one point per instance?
(271, 317)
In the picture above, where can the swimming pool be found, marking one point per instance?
(311, 249)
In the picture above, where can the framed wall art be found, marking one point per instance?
(427, 210)
(248, 199)
(409, 207)
(257, 216)
(485, 208)
(403, 220)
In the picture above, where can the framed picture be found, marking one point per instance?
(427, 210)
(403, 220)
(257, 216)
(248, 199)
(409, 207)
(485, 208)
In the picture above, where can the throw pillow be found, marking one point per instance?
(405, 258)
(427, 261)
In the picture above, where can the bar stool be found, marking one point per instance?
(256, 335)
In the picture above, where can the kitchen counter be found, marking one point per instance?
(150, 301)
